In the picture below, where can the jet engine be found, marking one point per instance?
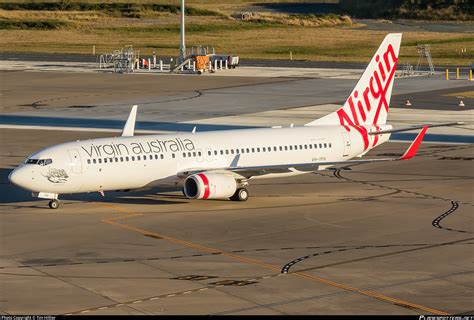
(209, 186)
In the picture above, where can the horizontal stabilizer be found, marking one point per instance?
(447, 124)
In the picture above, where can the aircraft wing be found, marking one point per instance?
(248, 172)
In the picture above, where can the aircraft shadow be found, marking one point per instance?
(12, 195)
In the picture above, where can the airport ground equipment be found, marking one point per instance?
(424, 52)
(407, 70)
(122, 61)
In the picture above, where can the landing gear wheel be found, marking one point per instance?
(241, 194)
(54, 204)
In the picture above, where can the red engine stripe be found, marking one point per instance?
(207, 190)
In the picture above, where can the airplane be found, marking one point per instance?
(220, 164)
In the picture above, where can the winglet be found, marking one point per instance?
(413, 149)
(129, 128)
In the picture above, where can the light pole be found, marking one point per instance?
(182, 47)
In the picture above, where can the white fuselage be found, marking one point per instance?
(122, 163)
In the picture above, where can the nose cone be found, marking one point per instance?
(20, 177)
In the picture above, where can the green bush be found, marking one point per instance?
(31, 24)
(126, 9)
(409, 9)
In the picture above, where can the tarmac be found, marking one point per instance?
(381, 238)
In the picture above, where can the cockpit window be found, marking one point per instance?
(41, 162)
(31, 161)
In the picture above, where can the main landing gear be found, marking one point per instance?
(241, 194)
(54, 204)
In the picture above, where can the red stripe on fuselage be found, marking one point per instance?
(207, 190)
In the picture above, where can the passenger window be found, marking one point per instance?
(232, 151)
(162, 156)
(291, 147)
(88, 161)
(320, 145)
(330, 145)
(184, 154)
(274, 148)
(199, 153)
(138, 158)
(144, 157)
(209, 153)
(258, 149)
(286, 148)
(126, 159)
(311, 146)
(325, 145)
(133, 158)
(306, 146)
(190, 154)
(121, 159)
(242, 151)
(172, 155)
(253, 150)
(227, 152)
(248, 150)
(100, 160)
(93, 160)
(116, 159)
(215, 152)
(194, 154)
(222, 152)
(264, 149)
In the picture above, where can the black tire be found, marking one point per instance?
(241, 194)
(54, 204)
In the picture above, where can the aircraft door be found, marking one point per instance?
(76, 164)
(347, 144)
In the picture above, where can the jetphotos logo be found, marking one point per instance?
(365, 107)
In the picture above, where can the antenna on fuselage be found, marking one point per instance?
(129, 128)
(194, 130)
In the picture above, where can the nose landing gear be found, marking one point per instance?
(53, 198)
(54, 204)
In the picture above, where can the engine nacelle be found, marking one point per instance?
(209, 186)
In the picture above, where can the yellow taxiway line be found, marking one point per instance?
(129, 214)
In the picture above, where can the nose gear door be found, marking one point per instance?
(76, 164)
